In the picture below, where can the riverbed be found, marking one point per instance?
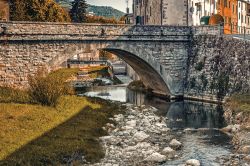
(195, 124)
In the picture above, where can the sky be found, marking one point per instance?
(117, 4)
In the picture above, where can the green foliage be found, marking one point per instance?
(46, 90)
(105, 11)
(78, 11)
(36, 10)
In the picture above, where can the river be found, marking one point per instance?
(195, 124)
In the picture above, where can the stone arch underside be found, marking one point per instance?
(149, 76)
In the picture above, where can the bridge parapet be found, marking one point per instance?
(73, 31)
(27, 28)
(70, 31)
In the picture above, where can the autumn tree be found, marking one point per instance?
(38, 10)
(79, 11)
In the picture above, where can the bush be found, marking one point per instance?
(46, 90)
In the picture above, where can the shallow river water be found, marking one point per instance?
(195, 124)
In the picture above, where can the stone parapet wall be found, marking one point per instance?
(72, 29)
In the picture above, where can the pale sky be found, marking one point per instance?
(117, 4)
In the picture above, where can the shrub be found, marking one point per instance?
(46, 90)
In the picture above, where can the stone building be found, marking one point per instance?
(4, 10)
(201, 8)
(243, 16)
(161, 12)
(228, 10)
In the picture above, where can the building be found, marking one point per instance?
(160, 12)
(199, 9)
(4, 10)
(243, 16)
(228, 10)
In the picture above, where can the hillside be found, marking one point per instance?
(105, 11)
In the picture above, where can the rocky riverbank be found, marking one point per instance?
(237, 115)
(139, 137)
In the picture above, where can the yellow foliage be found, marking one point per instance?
(36, 10)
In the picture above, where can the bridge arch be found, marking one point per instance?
(149, 76)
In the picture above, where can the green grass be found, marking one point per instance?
(38, 135)
(240, 103)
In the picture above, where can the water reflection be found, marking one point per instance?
(185, 114)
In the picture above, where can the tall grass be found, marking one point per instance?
(10, 95)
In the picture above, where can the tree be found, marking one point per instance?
(38, 10)
(78, 11)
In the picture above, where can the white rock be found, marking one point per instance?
(131, 123)
(168, 152)
(143, 145)
(175, 144)
(156, 157)
(131, 117)
(127, 128)
(161, 125)
(193, 162)
(140, 136)
(118, 118)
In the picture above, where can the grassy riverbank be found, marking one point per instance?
(39, 135)
(240, 103)
(32, 134)
(237, 115)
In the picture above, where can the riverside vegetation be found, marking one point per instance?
(47, 125)
(237, 115)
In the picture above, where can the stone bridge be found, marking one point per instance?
(159, 54)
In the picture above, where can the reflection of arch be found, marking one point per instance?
(150, 77)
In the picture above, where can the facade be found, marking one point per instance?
(160, 12)
(228, 10)
(175, 12)
(199, 9)
(147, 12)
(4, 10)
(243, 16)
